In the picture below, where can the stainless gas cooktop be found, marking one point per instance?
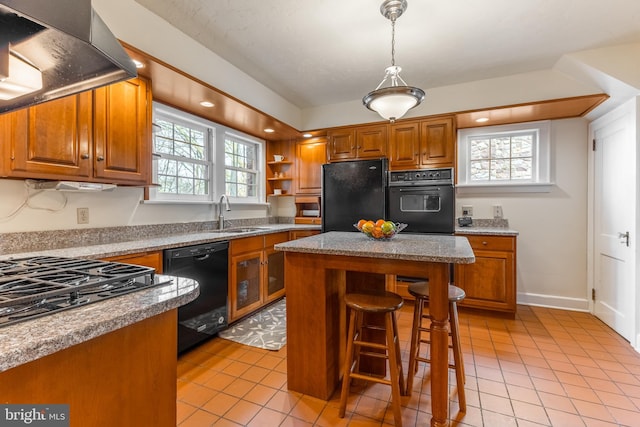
(37, 286)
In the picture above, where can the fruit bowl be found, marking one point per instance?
(379, 230)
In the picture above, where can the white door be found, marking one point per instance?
(613, 219)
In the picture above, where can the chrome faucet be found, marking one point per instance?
(227, 208)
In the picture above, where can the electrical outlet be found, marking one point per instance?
(467, 210)
(83, 215)
(497, 211)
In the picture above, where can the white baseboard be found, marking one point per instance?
(554, 301)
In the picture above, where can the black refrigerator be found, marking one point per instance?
(352, 191)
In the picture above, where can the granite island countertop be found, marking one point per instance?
(411, 247)
(33, 339)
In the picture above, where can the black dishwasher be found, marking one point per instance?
(206, 315)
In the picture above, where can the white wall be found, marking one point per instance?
(552, 245)
(54, 210)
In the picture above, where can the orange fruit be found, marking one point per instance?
(368, 226)
(361, 223)
(377, 232)
(379, 222)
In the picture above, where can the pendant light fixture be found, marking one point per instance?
(396, 98)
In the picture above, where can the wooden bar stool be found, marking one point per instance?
(420, 290)
(379, 302)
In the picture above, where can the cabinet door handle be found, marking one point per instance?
(485, 243)
(84, 156)
(100, 158)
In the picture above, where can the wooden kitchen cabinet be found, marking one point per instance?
(311, 154)
(404, 145)
(363, 142)
(422, 144)
(53, 140)
(256, 273)
(308, 210)
(490, 282)
(151, 259)
(437, 142)
(299, 234)
(122, 132)
(97, 136)
(120, 369)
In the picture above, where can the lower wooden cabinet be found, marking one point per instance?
(107, 380)
(256, 273)
(490, 282)
(299, 234)
(147, 259)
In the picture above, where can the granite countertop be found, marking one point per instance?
(411, 247)
(30, 340)
(488, 227)
(160, 243)
(486, 231)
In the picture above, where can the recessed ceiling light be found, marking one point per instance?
(269, 130)
(138, 63)
(482, 120)
(207, 104)
(307, 135)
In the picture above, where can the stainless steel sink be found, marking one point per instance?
(239, 230)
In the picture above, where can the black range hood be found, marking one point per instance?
(66, 41)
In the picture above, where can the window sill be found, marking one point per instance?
(198, 202)
(504, 188)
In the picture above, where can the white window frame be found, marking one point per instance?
(216, 137)
(259, 145)
(541, 161)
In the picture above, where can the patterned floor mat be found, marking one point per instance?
(266, 329)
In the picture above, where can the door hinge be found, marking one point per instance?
(593, 294)
(594, 144)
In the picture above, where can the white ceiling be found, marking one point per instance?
(320, 52)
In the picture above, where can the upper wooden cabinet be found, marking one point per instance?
(425, 143)
(311, 154)
(52, 140)
(101, 136)
(437, 142)
(364, 142)
(122, 132)
(404, 145)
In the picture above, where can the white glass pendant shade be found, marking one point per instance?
(393, 102)
(17, 76)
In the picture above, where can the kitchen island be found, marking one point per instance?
(113, 362)
(315, 279)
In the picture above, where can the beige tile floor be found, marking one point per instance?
(544, 368)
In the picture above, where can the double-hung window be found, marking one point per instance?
(504, 158)
(241, 174)
(185, 149)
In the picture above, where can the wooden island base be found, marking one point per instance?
(316, 321)
(124, 378)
